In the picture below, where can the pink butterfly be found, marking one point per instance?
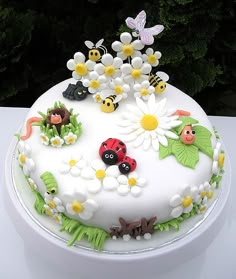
(145, 34)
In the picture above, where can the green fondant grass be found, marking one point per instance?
(39, 203)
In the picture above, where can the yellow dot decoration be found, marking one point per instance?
(151, 59)
(109, 70)
(136, 73)
(144, 92)
(221, 160)
(94, 83)
(22, 158)
(132, 181)
(81, 69)
(52, 204)
(118, 89)
(128, 50)
(72, 162)
(149, 122)
(100, 174)
(187, 201)
(77, 207)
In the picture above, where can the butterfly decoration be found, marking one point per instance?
(145, 34)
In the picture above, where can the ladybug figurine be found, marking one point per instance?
(112, 151)
(187, 135)
(127, 165)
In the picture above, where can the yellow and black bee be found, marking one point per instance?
(110, 103)
(158, 81)
(94, 53)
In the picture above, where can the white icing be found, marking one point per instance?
(165, 178)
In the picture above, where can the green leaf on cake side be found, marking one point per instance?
(216, 179)
(39, 203)
(203, 140)
(186, 120)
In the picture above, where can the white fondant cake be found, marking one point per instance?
(179, 158)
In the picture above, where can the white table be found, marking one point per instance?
(217, 261)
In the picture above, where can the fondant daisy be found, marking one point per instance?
(143, 90)
(56, 141)
(25, 160)
(44, 139)
(57, 217)
(77, 203)
(183, 203)
(70, 138)
(131, 183)
(136, 72)
(206, 191)
(218, 159)
(79, 67)
(94, 82)
(101, 176)
(72, 164)
(54, 203)
(32, 184)
(151, 57)
(126, 48)
(110, 67)
(120, 88)
(97, 98)
(149, 124)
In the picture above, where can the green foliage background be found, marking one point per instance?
(37, 37)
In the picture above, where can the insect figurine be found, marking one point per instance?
(94, 53)
(188, 135)
(158, 81)
(110, 103)
(145, 34)
(49, 182)
(127, 165)
(75, 92)
(112, 151)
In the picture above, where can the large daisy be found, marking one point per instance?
(149, 124)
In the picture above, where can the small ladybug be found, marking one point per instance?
(127, 165)
(188, 135)
(112, 151)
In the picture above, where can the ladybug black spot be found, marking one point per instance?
(117, 148)
(124, 150)
(121, 143)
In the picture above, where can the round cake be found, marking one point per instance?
(116, 152)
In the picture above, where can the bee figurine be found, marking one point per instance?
(110, 103)
(158, 81)
(94, 53)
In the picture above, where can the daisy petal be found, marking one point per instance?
(90, 205)
(177, 211)
(136, 191)
(175, 200)
(94, 186)
(86, 215)
(107, 59)
(155, 144)
(171, 135)
(162, 140)
(75, 171)
(64, 168)
(79, 57)
(71, 64)
(110, 183)
(117, 46)
(125, 38)
(113, 171)
(138, 45)
(122, 179)
(98, 164)
(99, 68)
(137, 62)
(123, 190)
(88, 173)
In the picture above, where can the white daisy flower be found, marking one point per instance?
(56, 141)
(206, 191)
(54, 203)
(218, 159)
(77, 203)
(131, 183)
(79, 67)
(97, 98)
(48, 210)
(94, 82)
(44, 139)
(101, 176)
(149, 124)
(24, 158)
(126, 48)
(110, 67)
(120, 88)
(136, 72)
(151, 57)
(72, 164)
(143, 90)
(32, 184)
(57, 217)
(70, 138)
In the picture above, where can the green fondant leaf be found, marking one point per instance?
(39, 203)
(186, 155)
(203, 140)
(216, 179)
(165, 151)
(186, 120)
(17, 136)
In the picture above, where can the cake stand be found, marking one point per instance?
(119, 259)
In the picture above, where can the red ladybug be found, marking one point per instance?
(112, 151)
(127, 165)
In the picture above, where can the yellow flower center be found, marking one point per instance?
(94, 83)
(151, 59)
(52, 204)
(136, 73)
(118, 89)
(81, 69)
(70, 140)
(149, 122)
(100, 174)
(77, 207)
(72, 162)
(128, 50)
(56, 142)
(22, 158)
(144, 92)
(187, 201)
(210, 194)
(98, 98)
(109, 70)
(48, 212)
(203, 194)
(202, 208)
(132, 181)
(31, 184)
(57, 218)
(221, 160)
(44, 139)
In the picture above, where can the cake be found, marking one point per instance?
(116, 152)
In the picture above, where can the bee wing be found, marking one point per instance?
(117, 99)
(99, 43)
(162, 75)
(89, 44)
